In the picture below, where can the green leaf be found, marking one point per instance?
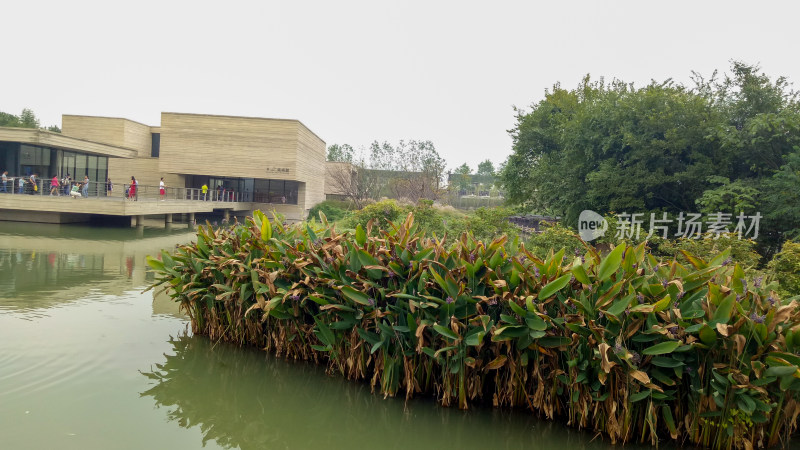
(553, 341)
(779, 371)
(554, 286)
(611, 263)
(361, 235)
(619, 306)
(356, 296)
(266, 229)
(641, 395)
(475, 338)
(535, 322)
(516, 308)
(155, 264)
(446, 332)
(580, 274)
(723, 312)
(661, 348)
(324, 333)
(707, 335)
(663, 361)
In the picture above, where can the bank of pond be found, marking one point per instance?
(636, 348)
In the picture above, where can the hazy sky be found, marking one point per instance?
(358, 71)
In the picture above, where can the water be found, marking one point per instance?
(89, 361)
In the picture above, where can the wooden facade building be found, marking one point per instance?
(267, 162)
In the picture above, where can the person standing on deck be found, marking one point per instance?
(66, 183)
(54, 186)
(109, 187)
(162, 189)
(21, 183)
(34, 185)
(5, 182)
(132, 189)
(85, 188)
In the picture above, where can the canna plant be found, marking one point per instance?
(623, 344)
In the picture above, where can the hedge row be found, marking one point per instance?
(622, 344)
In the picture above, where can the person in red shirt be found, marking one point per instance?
(54, 185)
(132, 189)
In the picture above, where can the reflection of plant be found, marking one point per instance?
(622, 344)
(240, 399)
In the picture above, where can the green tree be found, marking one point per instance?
(463, 169)
(25, 120)
(486, 168)
(612, 147)
(414, 168)
(28, 119)
(9, 120)
(340, 153)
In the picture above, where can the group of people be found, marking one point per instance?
(27, 184)
(132, 190)
(223, 194)
(66, 185)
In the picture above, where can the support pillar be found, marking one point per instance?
(191, 219)
(167, 218)
(139, 221)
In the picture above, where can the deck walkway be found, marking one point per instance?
(65, 209)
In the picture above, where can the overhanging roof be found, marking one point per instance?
(57, 140)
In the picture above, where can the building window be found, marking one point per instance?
(155, 148)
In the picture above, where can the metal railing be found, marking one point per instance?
(42, 187)
(45, 187)
(150, 193)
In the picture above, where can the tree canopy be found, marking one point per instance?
(27, 119)
(729, 141)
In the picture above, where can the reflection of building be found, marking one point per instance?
(274, 161)
(42, 266)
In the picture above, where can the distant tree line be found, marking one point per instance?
(729, 143)
(409, 170)
(27, 119)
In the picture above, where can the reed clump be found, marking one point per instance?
(622, 344)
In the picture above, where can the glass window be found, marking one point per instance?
(275, 191)
(68, 164)
(155, 147)
(80, 166)
(291, 190)
(91, 169)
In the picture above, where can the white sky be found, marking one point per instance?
(357, 71)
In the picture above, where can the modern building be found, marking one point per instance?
(274, 164)
(24, 152)
(273, 161)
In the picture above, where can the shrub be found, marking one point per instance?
(742, 251)
(623, 344)
(554, 238)
(333, 210)
(383, 212)
(785, 267)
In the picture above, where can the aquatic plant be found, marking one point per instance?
(623, 344)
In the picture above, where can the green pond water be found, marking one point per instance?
(89, 361)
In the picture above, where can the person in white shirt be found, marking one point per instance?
(162, 189)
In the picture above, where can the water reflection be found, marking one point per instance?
(44, 265)
(242, 398)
